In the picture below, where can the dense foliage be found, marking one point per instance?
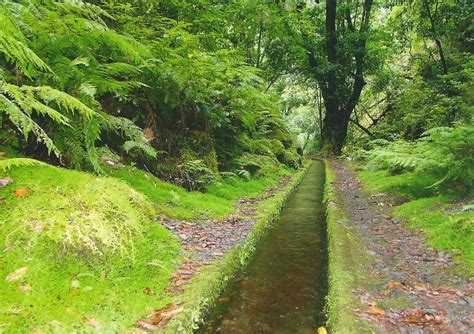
(163, 84)
(423, 104)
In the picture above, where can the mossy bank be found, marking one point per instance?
(87, 249)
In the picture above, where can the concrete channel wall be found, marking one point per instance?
(345, 253)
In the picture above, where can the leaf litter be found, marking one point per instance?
(437, 299)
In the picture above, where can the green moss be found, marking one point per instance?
(412, 185)
(400, 302)
(217, 202)
(346, 254)
(91, 249)
(446, 225)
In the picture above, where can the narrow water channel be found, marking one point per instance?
(283, 289)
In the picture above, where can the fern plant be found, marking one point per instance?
(136, 140)
(21, 103)
(444, 152)
(197, 175)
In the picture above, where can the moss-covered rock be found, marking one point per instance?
(80, 246)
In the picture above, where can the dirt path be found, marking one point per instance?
(204, 242)
(417, 289)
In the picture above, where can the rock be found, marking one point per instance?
(469, 301)
(462, 302)
(6, 181)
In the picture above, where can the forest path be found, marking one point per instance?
(415, 288)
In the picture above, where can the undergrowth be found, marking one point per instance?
(88, 249)
(216, 202)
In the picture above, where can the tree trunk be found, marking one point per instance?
(340, 108)
(334, 126)
(334, 131)
(434, 32)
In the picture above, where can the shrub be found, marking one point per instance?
(196, 175)
(444, 152)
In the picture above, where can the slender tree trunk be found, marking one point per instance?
(434, 31)
(259, 42)
(320, 116)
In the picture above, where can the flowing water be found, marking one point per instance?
(283, 289)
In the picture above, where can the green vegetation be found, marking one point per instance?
(171, 91)
(175, 202)
(179, 108)
(85, 248)
(447, 218)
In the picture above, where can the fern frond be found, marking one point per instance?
(131, 145)
(64, 101)
(128, 129)
(85, 9)
(7, 164)
(27, 102)
(21, 55)
(23, 121)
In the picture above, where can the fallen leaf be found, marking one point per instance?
(17, 274)
(92, 322)
(25, 288)
(376, 310)
(22, 192)
(420, 287)
(322, 330)
(146, 325)
(171, 313)
(421, 318)
(395, 285)
(6, 181)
